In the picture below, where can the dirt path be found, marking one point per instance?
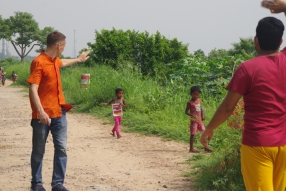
(96, 161)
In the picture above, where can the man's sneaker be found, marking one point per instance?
(37, 187)
(59, 187)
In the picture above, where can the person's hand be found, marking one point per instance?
(83, 56)
(44, 118)
(206, 137)
(276, 6)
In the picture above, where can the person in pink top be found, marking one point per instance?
(117, 117)
(194, 110)
(261, 82)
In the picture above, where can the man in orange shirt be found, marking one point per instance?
(49, 110)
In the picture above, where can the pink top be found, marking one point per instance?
(262, 82)
(195, 110)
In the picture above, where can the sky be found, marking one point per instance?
(203, 25)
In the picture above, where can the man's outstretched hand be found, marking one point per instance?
(83, 56)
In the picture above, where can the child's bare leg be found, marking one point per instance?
(192, 148)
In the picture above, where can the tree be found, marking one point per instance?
(3, 28)
(217, 53)
(42, 37)
(245, 47)
(23, 32)
(199, 53)
(150, 53)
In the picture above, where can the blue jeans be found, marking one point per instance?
(58, 130)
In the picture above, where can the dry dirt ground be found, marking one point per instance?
(96, 160)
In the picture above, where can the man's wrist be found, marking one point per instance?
(77, 60)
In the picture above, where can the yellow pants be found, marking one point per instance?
(263, 168)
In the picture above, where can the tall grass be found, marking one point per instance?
(152, 109)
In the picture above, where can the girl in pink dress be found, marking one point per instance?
(118, 102)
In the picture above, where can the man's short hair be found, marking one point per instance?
(54, 38)
(269, 32)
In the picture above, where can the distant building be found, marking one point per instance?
(5, 48)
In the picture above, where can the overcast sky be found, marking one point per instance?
(203, 24)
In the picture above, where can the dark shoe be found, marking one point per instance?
(37, 187)
(59, 187)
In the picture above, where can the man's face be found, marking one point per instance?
(61, 47)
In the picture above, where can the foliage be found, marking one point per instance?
(199, 53)
(42, 37)
(144, 52)
(245, 47)
(211, 74)
(23, 32)
(3, 28)
(217, 54)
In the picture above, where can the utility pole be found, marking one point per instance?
(7, 48)
(3, 47)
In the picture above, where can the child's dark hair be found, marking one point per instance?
(195, 89)
(117, 90)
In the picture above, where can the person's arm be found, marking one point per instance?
(276, 6)
(81, 58)
(124, 103)
(33, 92)
(187, 110)
(222, 113)
(111, 101)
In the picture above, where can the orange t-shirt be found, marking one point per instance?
(44, 71)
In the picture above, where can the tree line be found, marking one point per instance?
(147, 53)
